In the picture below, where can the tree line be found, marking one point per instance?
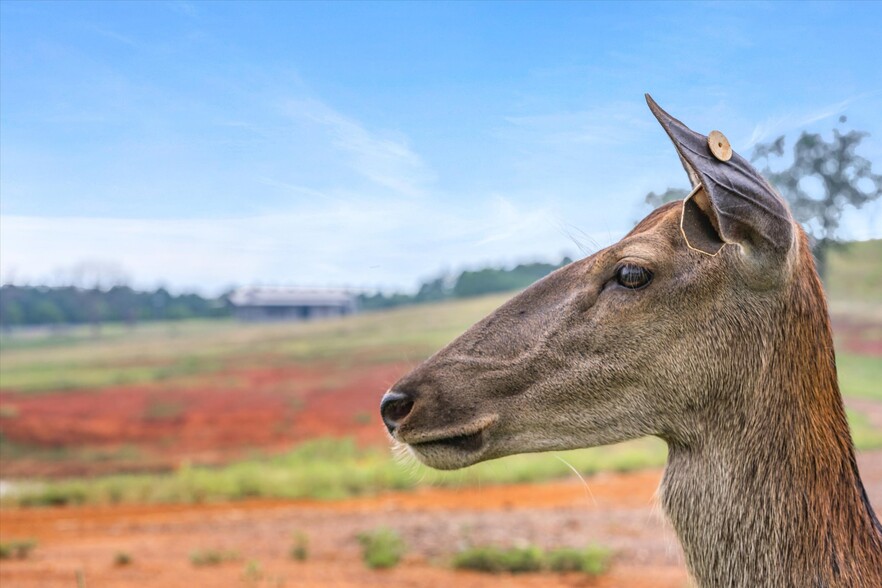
(467, 284)
(44, 305)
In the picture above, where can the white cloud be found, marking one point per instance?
(384, 159)
(773, 127)
(373, 243)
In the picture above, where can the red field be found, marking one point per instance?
(205, 419)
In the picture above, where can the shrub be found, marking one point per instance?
(300, 547)
(592, 560)
(382, 548)
(122, 559)
(518, 560)
(52, 495)
(480, 559)
(17, 548)
(212, 557)
(595, 560)
(495, 560)
(253, 572)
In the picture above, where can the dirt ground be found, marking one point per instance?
(208, 419)
(617, 510)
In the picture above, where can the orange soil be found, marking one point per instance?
(206, 419)
(619, 512)
(160, 538)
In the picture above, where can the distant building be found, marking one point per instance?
(290, 304)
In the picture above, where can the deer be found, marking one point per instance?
(705, 326)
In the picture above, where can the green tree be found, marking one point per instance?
(669, 195)
(842, 179)
(11, 314)
(45, 312)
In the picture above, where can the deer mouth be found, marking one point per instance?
(452, 450)
(471, 442)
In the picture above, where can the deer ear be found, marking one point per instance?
(731, 202)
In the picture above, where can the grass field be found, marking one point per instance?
(228, 409)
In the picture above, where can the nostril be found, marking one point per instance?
(394, 407)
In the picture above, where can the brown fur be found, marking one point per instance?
(729, 361)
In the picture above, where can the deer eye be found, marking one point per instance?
(633, 276)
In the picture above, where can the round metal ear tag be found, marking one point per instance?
(719, 145)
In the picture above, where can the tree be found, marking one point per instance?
(841, 179)
(669, 195)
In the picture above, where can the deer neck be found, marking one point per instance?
(769, 494)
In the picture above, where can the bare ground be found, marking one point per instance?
(619, 511)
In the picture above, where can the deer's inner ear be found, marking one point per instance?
(699, 230)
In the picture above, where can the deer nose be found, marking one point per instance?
(394, 407)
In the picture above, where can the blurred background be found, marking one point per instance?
(227, 228)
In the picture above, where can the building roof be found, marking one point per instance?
(287, 296)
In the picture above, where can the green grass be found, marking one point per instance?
(592, 560)
(213, 557)
(381, 548)
(494, 560)
(11, 450)
(17, 548)
(329, 469)
(855, 272)
(860, 376)
(864, 434)
(299, 550)
(326, 469)
(157, 352)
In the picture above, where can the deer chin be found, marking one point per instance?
(451, 449)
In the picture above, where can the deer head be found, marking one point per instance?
(641, 338)
(705, 326)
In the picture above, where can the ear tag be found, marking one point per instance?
(719, 146)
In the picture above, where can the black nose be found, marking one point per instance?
(394, 407)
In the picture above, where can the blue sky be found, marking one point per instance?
(201, 145)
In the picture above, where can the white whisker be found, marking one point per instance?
(578, 475)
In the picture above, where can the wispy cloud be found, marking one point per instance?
(380, 157)
(780, 125)
(182, 7)
(331, 242)
(113, 36)
(613, 123)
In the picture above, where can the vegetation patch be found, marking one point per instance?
(253, 572)
(299, 547)
(495, 560)
(864, 434)
(122, 559)
(382, 548)
(164, 410)
(213, 557)
(860, 376)
(17, 548)
(327, 469)
(592, 560)
(8, 411)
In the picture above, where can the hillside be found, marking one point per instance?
(216, 391)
